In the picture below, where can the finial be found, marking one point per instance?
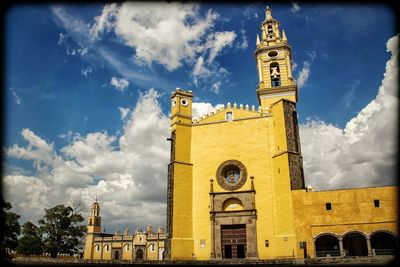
(277, 34)
(235, 105)
(252, 183)
(247, 107)
(259, 109)
(241, 106)
(211, 185)
(268, 13)
(96, 196)
(258, 40)
(228, 105)
(284, 36)
(253, 108)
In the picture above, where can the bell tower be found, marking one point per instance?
(93, 229)
(179, 243)
(274, 64)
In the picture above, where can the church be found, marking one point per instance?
(236, 188)
(236, 185)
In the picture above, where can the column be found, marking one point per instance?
(342, 254)
(369, 246)
(259, 70)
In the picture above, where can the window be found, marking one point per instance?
(231, 174)
(127, 247)
(377, 203)
(152, 248)
(270, 29)
(328, 206)
(107, 248)
(97, 248)
(275, 74)
(229, 116)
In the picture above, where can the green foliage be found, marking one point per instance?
(61, 231)
(31, 241)
(10, 226)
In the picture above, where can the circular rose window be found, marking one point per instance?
(231, 175)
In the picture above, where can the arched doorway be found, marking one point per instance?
(139, 255)
(355, 244)
(384, 243)
(327, 244)
(116, 255)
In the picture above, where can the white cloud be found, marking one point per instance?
(201, 108)
(295, 7)
(169, 34)
(305, 71)
(128, 173)
(86, 71)
(124, 112)
(61, 38)
(364, 153)
(159, 32)
(104, 22)
(311, 54)
(217, 41)
(216, 87)
(17, 99)
(119, 83)
(303, 74)
(245, 40)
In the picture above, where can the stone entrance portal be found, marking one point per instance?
(233, 225)
(233, 241)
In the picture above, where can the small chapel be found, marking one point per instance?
(236, 187)
(138, 246)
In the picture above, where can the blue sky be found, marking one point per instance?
(78, 79)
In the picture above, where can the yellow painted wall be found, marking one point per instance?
(352, 210)
(226, 141)
(152, 255)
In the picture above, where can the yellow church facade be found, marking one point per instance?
(236, 185)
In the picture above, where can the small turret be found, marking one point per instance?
(149, 230)
(117, 232)
(126, 232)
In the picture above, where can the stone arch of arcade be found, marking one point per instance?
(356, 243)
(384, 243)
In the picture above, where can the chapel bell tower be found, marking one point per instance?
(274, 64)
(93, 229)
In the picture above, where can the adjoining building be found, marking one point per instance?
(236, 185)
(138, 246)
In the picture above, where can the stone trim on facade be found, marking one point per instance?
(246, 216)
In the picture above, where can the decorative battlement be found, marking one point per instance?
(258, 111)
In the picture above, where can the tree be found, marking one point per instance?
(31, 241)
(61, 230)
(10, 225)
